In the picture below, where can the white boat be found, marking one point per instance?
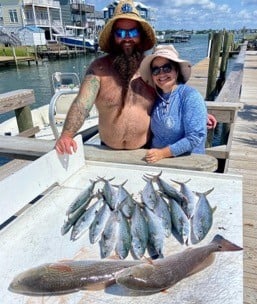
(65, 81)
(75, 37)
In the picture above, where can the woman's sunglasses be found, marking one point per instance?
(166, 68)
(132, 33)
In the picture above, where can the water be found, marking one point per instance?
(38, 77)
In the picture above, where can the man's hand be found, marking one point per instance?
(66, 144)
(211, 122)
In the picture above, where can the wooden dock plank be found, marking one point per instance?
(199, 76)
(243, 161)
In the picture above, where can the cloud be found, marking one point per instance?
(249, 2)
(200, 14)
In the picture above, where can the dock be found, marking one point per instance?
(11, 60)
(242, 161)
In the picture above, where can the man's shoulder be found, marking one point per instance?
(100, 64)
(102, 60)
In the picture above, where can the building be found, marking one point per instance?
(17, 14)
(145, 12)
(10, 14)
(45, 14)
(81, 15)
(32, 35)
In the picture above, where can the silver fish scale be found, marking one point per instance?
(124, 237)
(99, 222)
(148, 195)
(84, 222)
(189, 204)
(180, 223)
(82, 198)
(201, 220)
(156, 230)
(163, 212)
(139, 233)
(109, 236)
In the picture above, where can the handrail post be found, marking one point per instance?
(24, 118)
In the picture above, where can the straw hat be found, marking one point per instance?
(126, 10)
(165, 51)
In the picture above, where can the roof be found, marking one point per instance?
(33, 29)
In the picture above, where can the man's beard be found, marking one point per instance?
(127, 65)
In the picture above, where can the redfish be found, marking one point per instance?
(67, 277)
(161, 274)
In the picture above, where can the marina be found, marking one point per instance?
(238, 182)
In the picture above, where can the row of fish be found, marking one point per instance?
(144, 276)
(124, 224)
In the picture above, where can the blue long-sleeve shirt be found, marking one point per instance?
(180, 124)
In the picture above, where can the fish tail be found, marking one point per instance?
(205, 193)
(224, 244)
(152, 177)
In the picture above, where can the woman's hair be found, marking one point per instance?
(180, 78)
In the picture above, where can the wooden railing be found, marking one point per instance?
(19, 101)
(226, 106)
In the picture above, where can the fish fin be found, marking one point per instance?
(214, 209)
(148, 260)
(62, 267)
(65, 261)
(206, 263)
(164, 291)
(100, 285)
(113, 257)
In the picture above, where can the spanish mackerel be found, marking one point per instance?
(67, 277)
(161, 274)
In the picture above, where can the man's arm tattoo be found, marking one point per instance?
(82, 105)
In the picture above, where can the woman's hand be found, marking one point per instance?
(154, 155)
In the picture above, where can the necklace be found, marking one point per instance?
(166, 102)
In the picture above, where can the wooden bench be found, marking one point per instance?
(20, 101)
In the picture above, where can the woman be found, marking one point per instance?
(179, 116)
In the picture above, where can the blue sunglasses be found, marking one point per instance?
(132, 33)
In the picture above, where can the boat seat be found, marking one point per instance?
(59, 107)
(65, 81)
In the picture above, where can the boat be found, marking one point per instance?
(50, 118)
(75, 37)
(65, 81)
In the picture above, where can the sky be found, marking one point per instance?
(199, 14)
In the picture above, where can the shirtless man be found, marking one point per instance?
(113, 84)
